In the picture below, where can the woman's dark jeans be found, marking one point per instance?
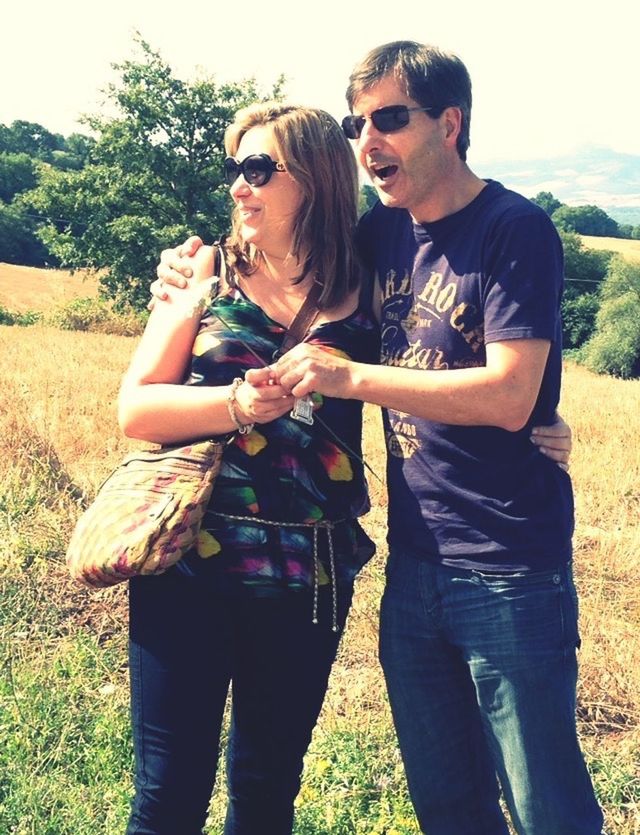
(186, 646)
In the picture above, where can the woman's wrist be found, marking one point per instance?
(235, 412)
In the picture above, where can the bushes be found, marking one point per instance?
(95, 315)
(29, 317)
(615, 346)
(578, 319)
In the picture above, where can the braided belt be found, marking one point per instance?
(323, 524)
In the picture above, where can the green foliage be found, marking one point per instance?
(29, 138)
(615, 346)
(28, 317)
(626, 230)
(578, 319)
(66, 754)
(585, 220)
(153, 176)
(584, 268)
(18, 241)
(367, 198)
(17, 173)
(75, 153)
(547, 201)
(97, 316)
(616, 778)
(26, 150)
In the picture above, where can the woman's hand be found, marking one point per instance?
(554, 441)
(261, 403)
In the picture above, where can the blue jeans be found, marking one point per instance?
(481, 671)
(186, 646)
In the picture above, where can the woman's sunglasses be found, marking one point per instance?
(256, 169)
(386, 119)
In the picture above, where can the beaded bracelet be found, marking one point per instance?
(243, 428)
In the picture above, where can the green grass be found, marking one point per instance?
(354, 784)
(66, 756)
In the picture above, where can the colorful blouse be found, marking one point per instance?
(284, 471)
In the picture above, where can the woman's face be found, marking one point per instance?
(267, 213)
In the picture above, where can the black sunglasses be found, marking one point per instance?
(256, 169)
(386, 119)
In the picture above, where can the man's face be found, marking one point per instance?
(408, 167)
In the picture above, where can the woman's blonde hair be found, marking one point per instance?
(317, 155)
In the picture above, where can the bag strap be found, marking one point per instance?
(300, 323)
(220, 266)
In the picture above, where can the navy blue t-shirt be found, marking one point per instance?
(480, 496)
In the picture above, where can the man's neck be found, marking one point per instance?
(457, 191)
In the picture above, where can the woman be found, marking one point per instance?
(262, 602)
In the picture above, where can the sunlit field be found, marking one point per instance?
(65, 752)
(34, 288)
(623, 246)
(65, 755)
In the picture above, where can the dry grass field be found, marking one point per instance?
(623, 246)
(33, 288)
(63, 684)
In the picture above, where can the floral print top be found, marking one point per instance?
(284, 471)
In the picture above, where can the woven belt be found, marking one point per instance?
(323, 524)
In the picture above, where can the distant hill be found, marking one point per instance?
(592, 175)
(31, 288)
(630, 249)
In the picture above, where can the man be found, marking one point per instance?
(479, 616)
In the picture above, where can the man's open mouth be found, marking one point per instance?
(384, 171)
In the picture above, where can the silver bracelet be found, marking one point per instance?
(243, 428)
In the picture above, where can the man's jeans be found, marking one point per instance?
(481, 671)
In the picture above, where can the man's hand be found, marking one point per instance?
(175, 268)
(554, 441)
(307, 368)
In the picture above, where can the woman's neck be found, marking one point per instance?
(284, 270)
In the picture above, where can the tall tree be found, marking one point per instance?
(18, 241)
(586, 220)
(153, 175)
(17, 174)
(31, 138)
(547, 201)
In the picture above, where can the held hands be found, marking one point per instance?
(305, 369)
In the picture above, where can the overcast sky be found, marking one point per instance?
(548, 76)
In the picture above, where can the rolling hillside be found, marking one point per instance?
(31, 288)
(630, 249)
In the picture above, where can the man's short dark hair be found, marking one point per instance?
(432, 77)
